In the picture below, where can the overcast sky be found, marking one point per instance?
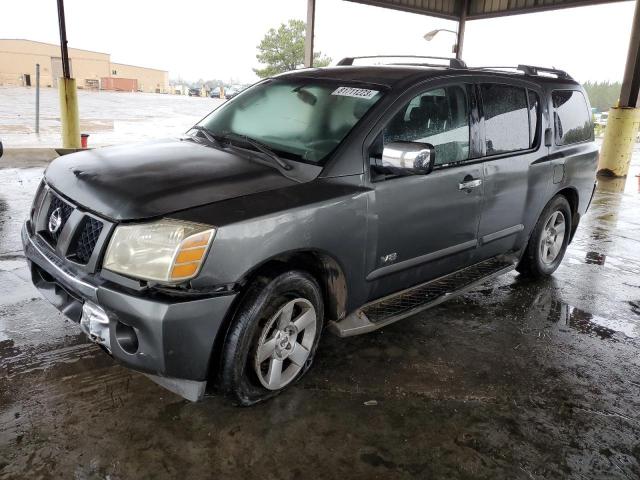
(217, 39)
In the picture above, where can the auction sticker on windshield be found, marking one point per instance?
(355, 92)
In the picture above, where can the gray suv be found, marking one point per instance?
(348, 197)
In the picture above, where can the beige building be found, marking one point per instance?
(92, 70)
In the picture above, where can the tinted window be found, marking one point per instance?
(439, 117)
(570, 117)
(534, 109)
(506, 118)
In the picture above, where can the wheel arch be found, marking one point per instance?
(571, 195)
(325, 268)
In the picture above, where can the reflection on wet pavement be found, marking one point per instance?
(585, 322)
(516, 379)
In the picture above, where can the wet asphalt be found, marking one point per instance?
(516, 379)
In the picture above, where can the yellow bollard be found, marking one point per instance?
(619, 139)
(69, 116)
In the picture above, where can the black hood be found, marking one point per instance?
(157, 178)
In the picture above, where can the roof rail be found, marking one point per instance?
(530, 70)
(453, 62)
(533, 70)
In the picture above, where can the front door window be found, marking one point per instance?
(439, 117)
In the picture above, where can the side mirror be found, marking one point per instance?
(404, 158)
(1, 149)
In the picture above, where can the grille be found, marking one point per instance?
(37, 201)
(428, 292)
(86, 240)
(65, 211)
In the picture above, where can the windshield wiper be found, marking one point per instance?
(261, 147)
(206, 132)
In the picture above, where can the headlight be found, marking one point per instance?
(167, 250)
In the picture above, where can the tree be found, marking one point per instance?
(603, 95)
(282, 50)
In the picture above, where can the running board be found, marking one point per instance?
(405, 303)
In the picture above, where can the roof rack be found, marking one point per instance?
(530, 70)
(533, 70)
(453, 62)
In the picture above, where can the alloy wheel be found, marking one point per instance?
(285, 344)
(552, 237)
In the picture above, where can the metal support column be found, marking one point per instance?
(624, 119)
(69, 116)
(308, 40)
(631, 79)
(461, 25)
(37, 98)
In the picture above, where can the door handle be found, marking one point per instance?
(470, 184)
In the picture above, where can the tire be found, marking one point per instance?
(541, 260)
(261, 326)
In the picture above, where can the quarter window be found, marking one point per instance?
(571, 117)
(506, 118)
(534, 109)
(439, 117)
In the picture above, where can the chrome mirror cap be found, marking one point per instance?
(411, 157)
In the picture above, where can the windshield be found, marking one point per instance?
(303, 120)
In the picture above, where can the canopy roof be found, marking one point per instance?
(454, 9)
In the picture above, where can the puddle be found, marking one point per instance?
(595, 258)
(590, 324)
(592, 257)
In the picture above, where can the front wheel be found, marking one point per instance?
(273, 338)
(548, 241)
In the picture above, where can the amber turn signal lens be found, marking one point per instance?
(185, 270)
(191, 255)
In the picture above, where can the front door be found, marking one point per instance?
(425, 226)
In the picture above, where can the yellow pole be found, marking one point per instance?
(69, 116)
(619, 139)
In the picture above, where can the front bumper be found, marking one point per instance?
(175, 337)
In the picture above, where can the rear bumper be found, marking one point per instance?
(174, 337)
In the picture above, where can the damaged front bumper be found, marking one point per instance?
(170, 340)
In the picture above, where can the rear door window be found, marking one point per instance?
(571, 118)
(506, 118)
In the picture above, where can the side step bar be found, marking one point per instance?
(403, 304)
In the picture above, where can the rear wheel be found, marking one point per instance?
(274, 336)
(548, 241)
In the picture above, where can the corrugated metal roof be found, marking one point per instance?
(452, 9)
(497, 8)
(438, 8)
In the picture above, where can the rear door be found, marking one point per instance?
(424, 226)
(517, 173)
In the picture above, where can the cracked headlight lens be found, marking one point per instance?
(167, 250)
